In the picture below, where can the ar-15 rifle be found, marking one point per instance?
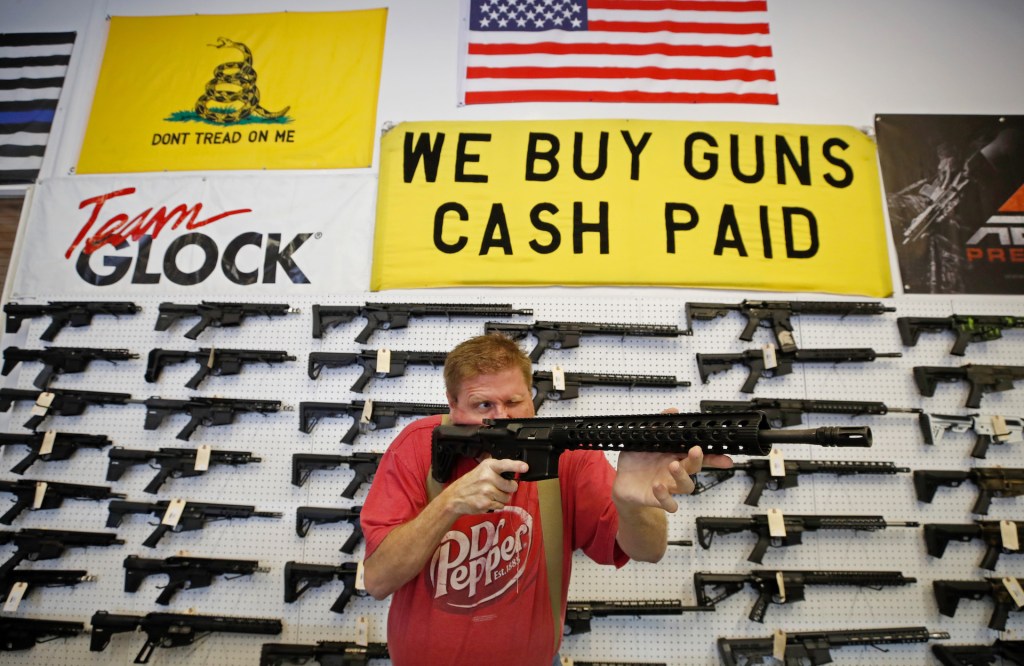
(307, 516)
(578, 614)
(948, 594)
(776, 314)
(760, 470)
(168, 630)
(376, 363)
(540, 442)
(567, 334)
(48, 495)
(299, 577)
(546, 386)
(40, 544)
(938, 535)
(989, 429)
(325, 653)
(47, 446)
(1011, 652)
(815, 646)
(364, 465)
(219, 315)
(784, 412)
(754, 359)
(365, 414)
(785, 586)
(61, 360)
(59, 401)
(173, 463)
(795, 526)
(33, 578)
(991, 482)
(190, 515)
(968, 328)
(23, 633)
(203, 411)
(65, 313)
(211, 361)
(184, 572)
(396, 315)
(981, 378)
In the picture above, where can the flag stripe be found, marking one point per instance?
(672, 26)
(555, 48)
(18, 176)
(502, 97)
(35, 61)
(619, 73)
(21, 151)
(36, 38)
(30, 105)
(682, 5)
(15, 84)
(41, 127)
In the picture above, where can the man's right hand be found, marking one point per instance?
(484, 489)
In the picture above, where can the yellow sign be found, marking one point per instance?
(630, 202)
(244, 91)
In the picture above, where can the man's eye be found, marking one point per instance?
(483, 405)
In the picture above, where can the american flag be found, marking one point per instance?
(653, 51)
(32, 69)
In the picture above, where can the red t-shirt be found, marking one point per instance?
(483, 599)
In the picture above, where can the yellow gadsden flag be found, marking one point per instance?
(630, 202)
(241, 91)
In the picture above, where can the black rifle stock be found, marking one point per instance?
(938, 535)
(982, 379)
(58, 401)
(816, 646)
(65, 313)
(795, 526)
(785, 412)
(988, 429)
(48, 495)
(59, 446)
(991, 482)
(365, 414)
(218, 315)
(172, 463)
(23, 633)
(567, 334)
(299, 577)
(578, 614)
(194, 515)
(754, 359)
(948, 594)
(386, 316)
(325, 653)
(44, 544)
(370, 359)
(212, 361)
(545, 389)
(307, 516)
(203, 411)
(61, 360)
(1011, 652)
(364, 466)
(968, 328)
(540, 442)
(184, 572)
(776, 315)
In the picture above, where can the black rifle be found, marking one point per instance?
(61, 360)
(567, 334)
(169, 630)
(325, 653)
(815, 646)
(783, 412)
(364, 465)
(299, 577)
(991, 482)
(48, 495)
(981, 378)
(760, 471)
(365, 414)
(58, 446)
(968, 328)
(33, 578)
(754, 359)
(544, 384)
(183, 572)
(218, 315)
(1011, 652)
(39, 544)
(938, 535)
(212, 361)
(65, 313)
(194, 515)
(203, 411)
(540, 442)
(795, 526)
(785, 586)
(368, 359)
(307, 516)
(23, 633)
(173, 463)
(578, 614)
(988, 429)
(387, 316)
(948, 594)
(58, 401)
(776, 314)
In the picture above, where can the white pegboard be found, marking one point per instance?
(688, 639)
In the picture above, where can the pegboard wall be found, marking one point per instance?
(686, 639)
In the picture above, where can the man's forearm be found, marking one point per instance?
(643, 532)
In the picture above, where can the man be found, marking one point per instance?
(466, 567)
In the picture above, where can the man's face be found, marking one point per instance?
(501, 395)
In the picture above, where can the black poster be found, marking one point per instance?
(954, 186)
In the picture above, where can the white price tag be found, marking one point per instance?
(14, 598)
(362, 629)
(768, 353)
(202, 458)
(558, 378)
(1012, 586)
(779, 645)
(776, 523)
(786, 339)
(567, 661)
(49, 437)
(1008, 534)
(999, 429)
(776, 463)
(383, 361)
(37, 501)
(173, 514)
(43, 403)
(367, 414)
(209, 359)
(780, 580)
(360, 583)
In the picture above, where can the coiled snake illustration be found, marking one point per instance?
(233, 83)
